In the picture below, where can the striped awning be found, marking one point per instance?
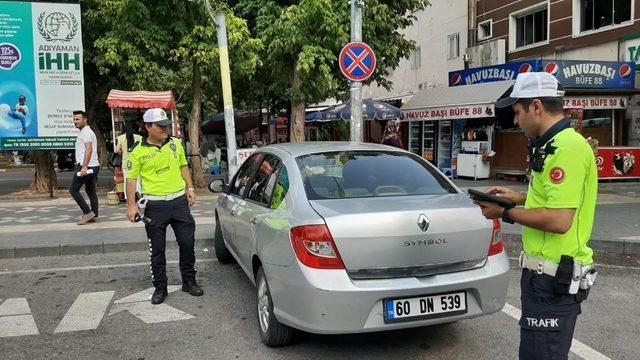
(140, 99)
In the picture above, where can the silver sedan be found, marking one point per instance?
(350, 238)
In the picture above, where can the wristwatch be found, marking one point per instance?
(191, 189)
(505, 216)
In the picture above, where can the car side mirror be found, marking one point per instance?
(217, 186)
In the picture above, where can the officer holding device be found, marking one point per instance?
(556, 217)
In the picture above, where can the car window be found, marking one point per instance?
(243, 177)
(353, 174)
(260, 191)
(281, 187)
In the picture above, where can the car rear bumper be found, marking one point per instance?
(329, 302)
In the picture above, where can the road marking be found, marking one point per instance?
(16, 318)
(93, 267)
(15, 306)
(86, 312)
(139, 306)
(144, 295)
(577, 347)
(152, 314)
(631, 238)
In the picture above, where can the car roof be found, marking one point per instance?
(314, 147)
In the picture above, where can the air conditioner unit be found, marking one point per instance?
(488, 53)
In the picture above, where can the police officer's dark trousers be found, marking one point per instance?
(548, 319)
(175, 213)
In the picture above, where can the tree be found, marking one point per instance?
(303, 38)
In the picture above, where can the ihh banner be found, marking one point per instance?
(42, 75)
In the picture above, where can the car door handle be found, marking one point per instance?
(253, 221)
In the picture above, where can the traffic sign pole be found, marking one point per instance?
(356, 86)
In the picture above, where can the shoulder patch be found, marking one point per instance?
(557, 175)
(129, 165)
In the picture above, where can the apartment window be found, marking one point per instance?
(485, 30)
(454, 46)
(531, 28)
(601, 13)
(416, 60)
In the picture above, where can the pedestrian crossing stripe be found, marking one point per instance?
(88, 311)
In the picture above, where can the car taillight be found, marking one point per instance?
(315, 248)
(497, 245)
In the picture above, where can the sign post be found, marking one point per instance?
(355, 66)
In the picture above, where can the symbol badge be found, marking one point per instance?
(556, 175)
(423, 222)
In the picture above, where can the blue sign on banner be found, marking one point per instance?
(591, 74)
(570, 73)
(508, 71)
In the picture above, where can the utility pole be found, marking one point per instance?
(229, 124)
(357, 7)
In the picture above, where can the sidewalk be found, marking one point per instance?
(47, 227)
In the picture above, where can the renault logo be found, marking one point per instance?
(423, 222)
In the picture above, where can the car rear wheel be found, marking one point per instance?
(272, 332)
(222, 253)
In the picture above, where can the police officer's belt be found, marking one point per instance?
(164, 197)
(542, 266)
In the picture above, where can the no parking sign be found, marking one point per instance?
(357, 61)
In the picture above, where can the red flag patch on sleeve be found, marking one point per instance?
(557, 175)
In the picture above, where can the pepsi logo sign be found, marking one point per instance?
(625, 71)
(525, 68)
(552, 68)
(456, 79)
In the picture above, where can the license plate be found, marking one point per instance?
(425, 307)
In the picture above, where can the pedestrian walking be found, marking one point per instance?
(556, 219)
(87, 168)
(160, 162)
(391, 135)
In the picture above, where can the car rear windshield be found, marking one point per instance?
(356, 174)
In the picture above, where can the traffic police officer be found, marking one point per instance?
(159, 160)
(556, 220)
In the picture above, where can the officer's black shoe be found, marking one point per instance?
(159, 295)
(192, 288)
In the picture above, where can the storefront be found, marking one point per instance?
(445, 122)
(597, 96)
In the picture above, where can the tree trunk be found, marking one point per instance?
(194, 127)
(297, 109)
(43, 170)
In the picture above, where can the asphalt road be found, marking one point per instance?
(223, 325)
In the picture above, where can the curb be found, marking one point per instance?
(104, 248)
(623, 247)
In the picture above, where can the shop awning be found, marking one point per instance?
(140, 99)
(459, 102)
